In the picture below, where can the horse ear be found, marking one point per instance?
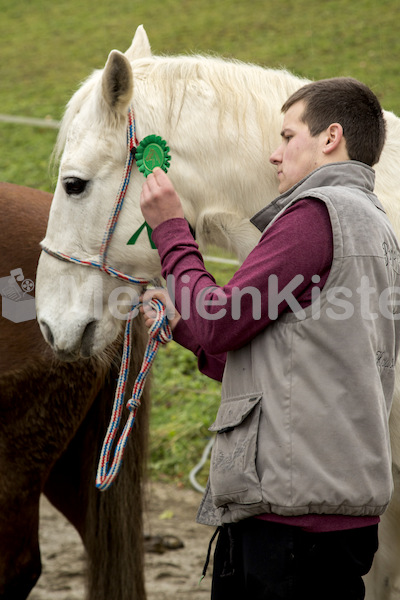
(117, 82)
(140, 47)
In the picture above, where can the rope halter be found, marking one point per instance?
(159, 333)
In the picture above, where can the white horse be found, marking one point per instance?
(221, 120)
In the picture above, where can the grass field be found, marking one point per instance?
(47, 48)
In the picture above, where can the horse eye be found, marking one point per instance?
(74, 186)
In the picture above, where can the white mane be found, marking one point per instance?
(229, 78)
(235, 84)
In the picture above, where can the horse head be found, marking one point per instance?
(72, 301)
(221, 120)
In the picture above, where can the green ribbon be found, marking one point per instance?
(132, 241)
(151, 152)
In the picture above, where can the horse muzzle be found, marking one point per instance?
(77, 341)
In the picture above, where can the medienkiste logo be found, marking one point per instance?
(18, 305)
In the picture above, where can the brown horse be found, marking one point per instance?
(53, 420)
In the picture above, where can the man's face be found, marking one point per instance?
(299, 153)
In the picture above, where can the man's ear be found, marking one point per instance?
(334, 135)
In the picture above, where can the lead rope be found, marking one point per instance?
(159, 333)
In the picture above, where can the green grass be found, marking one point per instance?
(48, 47)
(24, 155)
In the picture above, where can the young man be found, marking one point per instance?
(301, 466)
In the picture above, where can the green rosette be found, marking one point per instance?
(152, 152)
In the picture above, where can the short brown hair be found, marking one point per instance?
(351, 103)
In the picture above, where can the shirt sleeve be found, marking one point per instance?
(212, 365)
(278, 275)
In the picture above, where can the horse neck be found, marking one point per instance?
(220, 139)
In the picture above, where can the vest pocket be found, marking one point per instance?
(233, 474)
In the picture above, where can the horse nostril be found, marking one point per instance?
(47, 333)
(88, 339)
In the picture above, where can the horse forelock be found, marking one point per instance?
(88, 96)
(73, 106)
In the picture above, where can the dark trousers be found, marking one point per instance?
(259, 560)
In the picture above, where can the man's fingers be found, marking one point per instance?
(160, 176)
(151, 183)
(149, 314)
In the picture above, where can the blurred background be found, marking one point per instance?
(47, 48)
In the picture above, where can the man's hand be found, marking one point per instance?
(149, 315)
(159, 201)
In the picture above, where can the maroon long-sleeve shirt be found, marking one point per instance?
(293, 258)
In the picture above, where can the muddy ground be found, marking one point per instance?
(173, 575)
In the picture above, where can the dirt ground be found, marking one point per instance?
(171, 575)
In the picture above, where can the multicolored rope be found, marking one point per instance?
(98, 265)
(112, 222)
(159, 333)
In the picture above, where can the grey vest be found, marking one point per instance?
(303, 422)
